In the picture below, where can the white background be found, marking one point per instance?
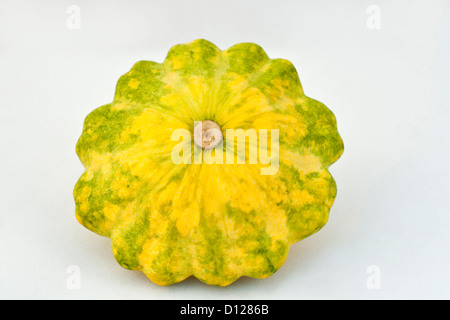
(388, 88)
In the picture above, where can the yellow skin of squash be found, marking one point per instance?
(217, 222)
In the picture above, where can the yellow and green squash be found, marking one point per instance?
(214, 221)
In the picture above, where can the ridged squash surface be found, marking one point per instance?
(216, 222)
